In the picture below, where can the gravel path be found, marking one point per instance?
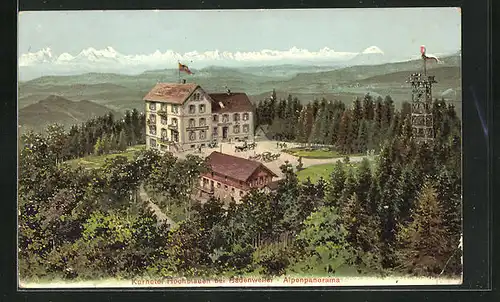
(160, 216)
(270, 146)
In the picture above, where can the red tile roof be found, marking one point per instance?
(171, 92)
(234, 167)
(232, 102)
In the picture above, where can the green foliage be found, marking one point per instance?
(323, 241)
(271, 260)
(371, 217)
(425, 242)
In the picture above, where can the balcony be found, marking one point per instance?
(207, 189)
(162, 112)
(173, 127)
(191, 127)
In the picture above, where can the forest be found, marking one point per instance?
(399, 214)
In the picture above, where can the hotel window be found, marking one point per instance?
(152, 106)
(236, 117)
(225, 118)
(202, 108)
(152, 118)
(196, 96)
(225, 187)
(215, 130)
(164, 133)
(192, 109)
(216, 118)
(192, 135)
(203, 134)
(236, 129)
(163, 120)
(164, 107)
(218, 185)
(192, 123)
(203, 122)
(245, 116)
(174, 122)
(152, 130)
(175, 109)
(245, 128)
(152, 142)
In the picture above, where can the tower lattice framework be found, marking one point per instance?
(421, 106)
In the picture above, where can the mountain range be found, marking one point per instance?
(44, 62)
(120, 92)
(56, 109)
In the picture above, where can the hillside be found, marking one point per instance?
(122, 92)
(61, 110)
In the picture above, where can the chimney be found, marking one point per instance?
(183, 81)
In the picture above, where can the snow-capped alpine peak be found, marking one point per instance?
(31, 58)
(373, 50)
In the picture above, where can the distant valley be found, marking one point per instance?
(82, 96)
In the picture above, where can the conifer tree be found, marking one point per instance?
(342, 136)
(362, 233)
(300, 132)
(122, 141)
(425, 245)
(98, 147)
(363, 180)
(317, 136)
(388, 110)
(349, 187)
(405, 109)
(368, 107)
(336, 185)
(407, 130)
(362, 138)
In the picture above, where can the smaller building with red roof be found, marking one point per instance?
(231, 177)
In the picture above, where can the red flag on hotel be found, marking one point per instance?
(184, 68)
(427, 56)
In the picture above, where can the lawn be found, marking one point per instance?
(317, 171)
(317, 154)
(97, 161)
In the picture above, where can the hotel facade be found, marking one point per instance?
(183, 117)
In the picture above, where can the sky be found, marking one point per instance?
(396, 32)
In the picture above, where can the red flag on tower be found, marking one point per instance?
(427, 56)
